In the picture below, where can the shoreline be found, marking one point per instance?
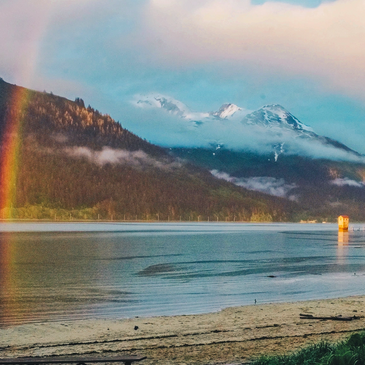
(232, 335)
(27, 226)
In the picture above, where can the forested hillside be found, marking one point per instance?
(75, 163)
(322, 189)
(47, 117)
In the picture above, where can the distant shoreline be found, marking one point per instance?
(136, 226)
(47, 220)
(102, 220)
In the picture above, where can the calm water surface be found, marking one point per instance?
(53, 272)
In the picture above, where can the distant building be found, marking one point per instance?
(343, 223)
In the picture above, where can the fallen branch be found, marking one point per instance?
(328, 318)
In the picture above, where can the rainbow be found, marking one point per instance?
(25, 70)
(11, 138)
(10, 145)
(7, 285)
(16, 104)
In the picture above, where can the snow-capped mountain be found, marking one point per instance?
(278, 120)
(274, 116)
(270, 129)
(268, 150)
(159, 101)
(176, 107)
(169, 105)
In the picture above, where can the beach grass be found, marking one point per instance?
(348, 352)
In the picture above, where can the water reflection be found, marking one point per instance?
(48, 276)
(6, 279)
(44, 274)
(342, 247)
(343, 238)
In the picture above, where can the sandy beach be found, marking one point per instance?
(233, 335)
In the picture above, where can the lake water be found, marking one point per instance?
(53, 272)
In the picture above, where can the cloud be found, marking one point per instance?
(348, 182)
(264, 184)
(326, 43)
(22, 24)
(107, 155)
(59, 138)
(205, 52)
(52, 42)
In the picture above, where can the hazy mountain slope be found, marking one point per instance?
(322, 188)
(75, 160)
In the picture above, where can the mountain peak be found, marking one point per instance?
(160, 101)
(169, 105)
(275, 115)
(226, 110)
(274, 107)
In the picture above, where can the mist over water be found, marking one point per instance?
(54, 272)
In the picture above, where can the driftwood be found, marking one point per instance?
(328, 318)
(127, 359)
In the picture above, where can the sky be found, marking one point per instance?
(306, 55)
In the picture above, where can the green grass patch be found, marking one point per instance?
(349, 352)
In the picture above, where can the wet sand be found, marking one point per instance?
(231, 336)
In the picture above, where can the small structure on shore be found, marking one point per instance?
(343, 223)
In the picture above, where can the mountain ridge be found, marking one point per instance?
(77, 162)
(269, 126)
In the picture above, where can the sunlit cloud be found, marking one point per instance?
(326, 43)
(21, 32)
(42, 41)
(204, 52)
